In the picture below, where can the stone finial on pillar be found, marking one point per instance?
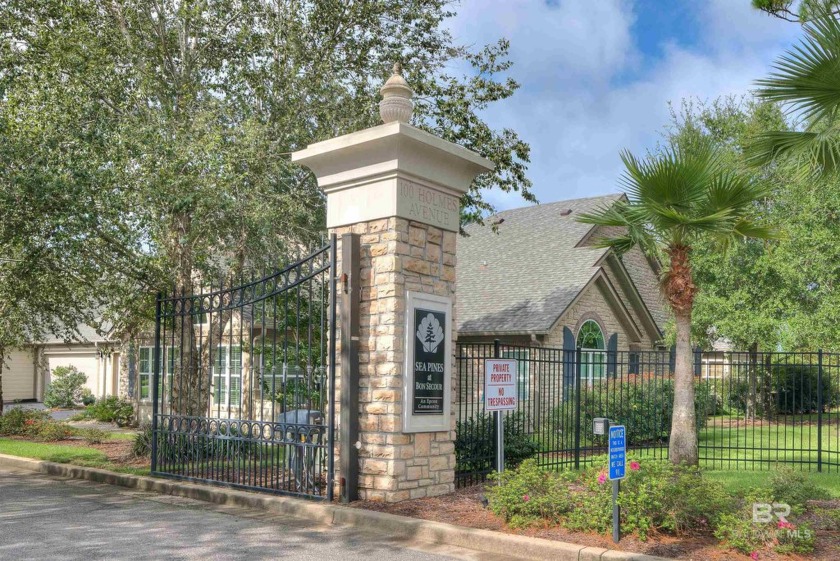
(396, 104)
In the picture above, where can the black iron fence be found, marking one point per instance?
(754, 410)
(243, 381)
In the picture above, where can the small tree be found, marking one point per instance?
(675, 199)
(65, 389)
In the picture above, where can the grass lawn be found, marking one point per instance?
(729, 443)
(762, 445)
(736, 482)
(76, 455)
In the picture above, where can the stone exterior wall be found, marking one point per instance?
(397, 256)
(592, 304)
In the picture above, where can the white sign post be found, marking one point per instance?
(500, 395)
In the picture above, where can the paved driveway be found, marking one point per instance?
(56, 519)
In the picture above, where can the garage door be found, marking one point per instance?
(19, 376)
(86, 363)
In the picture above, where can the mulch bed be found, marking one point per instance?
(464, 508)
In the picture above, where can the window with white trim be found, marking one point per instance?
(227, 376)
(593, 359)
(145, 370)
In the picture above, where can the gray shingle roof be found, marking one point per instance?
(522, 278)
(87, 334)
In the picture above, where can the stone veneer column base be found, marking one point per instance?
(398, 255)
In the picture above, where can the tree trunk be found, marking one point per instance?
(679, 290)
(190, 393)
(682, 445)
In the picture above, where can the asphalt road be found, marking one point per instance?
(59, 519)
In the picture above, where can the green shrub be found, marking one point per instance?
(293, 394)
(787, 389)
(739, 530)
(529, 495)
(475, 446)
(94, 436)
(795, 538)
(113, 409)
(740, 533)
(795, 488)
(83, 415)
(795, 387)
(592, 510)
(87, 397)
(644, 406)
(65, 389)
(142, 445)
(692, 502)
(655, 496)
(34, 424)
(51, 431)
(21, 422)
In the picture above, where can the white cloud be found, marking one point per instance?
(575, 111)
(568, 41)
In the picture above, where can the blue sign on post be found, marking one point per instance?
(618, 452)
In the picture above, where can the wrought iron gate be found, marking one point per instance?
(244, 381)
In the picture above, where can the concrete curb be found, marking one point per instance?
(537, 549)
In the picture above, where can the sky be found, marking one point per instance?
(597, 76)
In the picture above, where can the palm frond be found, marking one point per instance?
(815, 152)
(734, 193)
(623, 215)
(675, 179)
(676, 197)
(807, 77)
(607, 215)
(620, 244)
(746, 228)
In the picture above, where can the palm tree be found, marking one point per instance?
(674, 199)
(806, 79)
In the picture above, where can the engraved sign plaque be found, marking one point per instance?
(428, 363)
(426, 205)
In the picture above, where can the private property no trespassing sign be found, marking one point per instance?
(499, 384)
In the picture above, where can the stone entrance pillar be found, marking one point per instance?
(398, 188)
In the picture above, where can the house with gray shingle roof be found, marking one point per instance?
(93, 351)
(538, 277)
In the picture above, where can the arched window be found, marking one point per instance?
(593, 359)
(590, 336)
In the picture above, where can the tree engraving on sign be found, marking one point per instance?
(430, 333)
(429, 362)
(430, 206)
